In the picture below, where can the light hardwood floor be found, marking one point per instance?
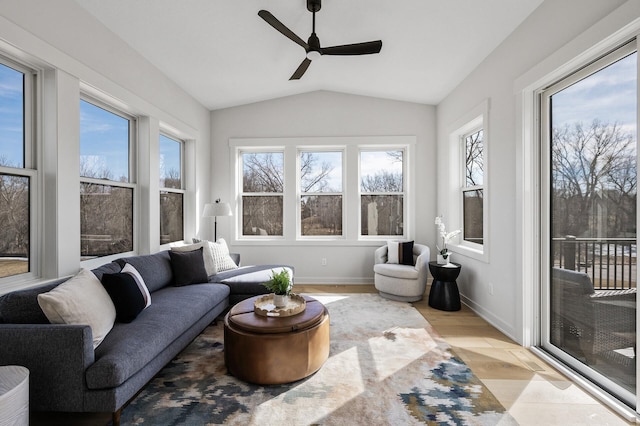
(532, 391)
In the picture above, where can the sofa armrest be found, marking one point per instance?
(56, 356)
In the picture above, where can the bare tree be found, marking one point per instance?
(474, 164)
(310, 181)
(592, 165)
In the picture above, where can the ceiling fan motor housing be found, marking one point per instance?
(314, 5)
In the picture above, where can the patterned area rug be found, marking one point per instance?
(386, 366)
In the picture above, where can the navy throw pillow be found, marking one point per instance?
(127, 297)
(188, 267)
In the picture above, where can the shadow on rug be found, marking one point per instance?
(386, 366)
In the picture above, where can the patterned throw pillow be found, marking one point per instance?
(128, 291)
(221, 258)
(400, 252)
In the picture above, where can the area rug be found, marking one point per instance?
(386, 366)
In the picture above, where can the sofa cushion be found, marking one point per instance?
(155, 269)
(80, 300)
(131, 346)
(21, 307)
(188, 267)
(249, 279)
(107, 268)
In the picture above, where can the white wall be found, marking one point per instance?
(76, 52)
(549, 28)
(325, 114)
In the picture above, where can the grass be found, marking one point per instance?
(10, 267)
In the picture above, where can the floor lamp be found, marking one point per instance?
(216, 209)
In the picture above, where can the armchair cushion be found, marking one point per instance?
(396, 270)
(400, 252)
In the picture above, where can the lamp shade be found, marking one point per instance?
(217, 209)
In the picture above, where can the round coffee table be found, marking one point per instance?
(274, 350)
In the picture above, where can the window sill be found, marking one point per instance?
(471, 252)
(308, 242)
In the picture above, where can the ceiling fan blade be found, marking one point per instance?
(366, 48)
(301, 69)
(273, 21)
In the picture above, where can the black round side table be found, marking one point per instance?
(444, 294)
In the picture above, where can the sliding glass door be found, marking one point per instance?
(589, 233)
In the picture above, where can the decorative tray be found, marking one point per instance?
(264, 306)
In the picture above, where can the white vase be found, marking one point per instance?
(280, 300)
(442, 260)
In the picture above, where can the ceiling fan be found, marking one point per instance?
(312, 46)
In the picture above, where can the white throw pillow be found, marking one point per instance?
(207, 255)
(222, 260)
(80, 300)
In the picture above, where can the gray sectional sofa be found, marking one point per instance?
(67, 374)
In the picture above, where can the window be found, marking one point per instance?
(323, 190)
(262, 194)
(382, 192)
(466, 187)
(472, 188)
(320, 193)
(171, 190)
(106, 190)
(17, 171)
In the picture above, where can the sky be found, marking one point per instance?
(104, 136)
(609, 95)
(11, 125)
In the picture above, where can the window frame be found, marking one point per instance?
(130, 184)
(351, 186)
(181, 190)
(474, 120)
(241, 193)
(300, 193)
(404, 193)
(31, 92)
(464, 188)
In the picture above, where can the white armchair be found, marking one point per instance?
(405, 283)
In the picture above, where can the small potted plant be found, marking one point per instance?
(444, 255)
(280, 285)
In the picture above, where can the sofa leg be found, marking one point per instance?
(115, 417)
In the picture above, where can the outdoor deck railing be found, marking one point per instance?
(610, 262)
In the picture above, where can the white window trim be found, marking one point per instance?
(351, 186)
(300, 193)
(180, 190)
(405, 192)
(474, 120)
(132, 183)
(240, 193)
(29, 170)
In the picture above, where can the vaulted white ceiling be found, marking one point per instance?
(224, 54)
